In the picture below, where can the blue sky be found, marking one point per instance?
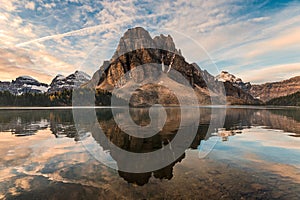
(256, 40)
(266, 146)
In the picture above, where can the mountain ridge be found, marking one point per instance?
(271, 90)
(238, 82)
(288, 100)
(137, 48)
(26, 84)
(74, 80)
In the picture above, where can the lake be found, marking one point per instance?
(236, 152)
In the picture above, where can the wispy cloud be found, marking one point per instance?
(84, 31)
(16, 62)
(271, 73)
(239, 36)
(244, 42)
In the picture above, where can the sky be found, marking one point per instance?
(258, 41)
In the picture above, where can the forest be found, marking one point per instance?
(61, 98)
(289, 100)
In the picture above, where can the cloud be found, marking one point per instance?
(12, 72)
(243, 45)
(77, 32)
(7, 5)
(266, 139)
(30, 5)
(49, 5)
(84, 31)
(284, 41)
(259, 19)
(15, 62)
(271, 73)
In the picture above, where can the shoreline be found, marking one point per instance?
(173, 106)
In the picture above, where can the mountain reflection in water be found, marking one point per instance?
(61, 124)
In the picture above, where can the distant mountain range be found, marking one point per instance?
(27, 84)
(23, 84)
(268, 91)
(137, 48)
(285, 93)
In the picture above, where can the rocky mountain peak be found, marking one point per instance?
(70, 82)
(139, 38)
(225, 76)
(58, 77)
(135, 38)
(164, 42)
(137, 33)
(26, 79)
(82, 75)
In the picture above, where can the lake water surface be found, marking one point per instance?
(237, 153)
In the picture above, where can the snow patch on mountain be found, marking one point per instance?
(82, 75)
(60, 77)
(43, 89)
(72, 81)
(27, 84)
(24, 84)
(225, 76)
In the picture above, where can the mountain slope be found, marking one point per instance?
(268, 91)
(75, 80)
(289, 100)
(24, 84)
(225, 76)
(137, 48)
(27, 84)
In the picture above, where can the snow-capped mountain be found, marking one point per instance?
(225, 76)
(24, 84)
(70, 82)
(27, 84)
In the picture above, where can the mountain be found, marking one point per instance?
(237, 91)
(26, 91)
(289, 100)
(225, 76)
(75, 80)
(24, 84)
(137, 48)
(268, 91)
(139, 38)
(27, 84)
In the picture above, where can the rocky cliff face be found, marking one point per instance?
(237, 91)
(268, 91)
(137, 48)
(138, 38)
(236, 95)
